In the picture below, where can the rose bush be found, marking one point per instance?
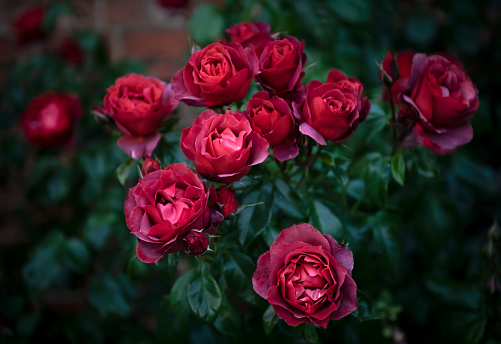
(217, 75)
(306, 277)
(223, 146)
(163, 207)
(49, 119)
(139, 106)
(441, 98)
(29, 25)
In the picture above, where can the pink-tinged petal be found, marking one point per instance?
(286, 150)
(340, 253)
(308, 130)
(451, 139)
(169, 101)
(348, 302)
(261, 277)
(148, 252)
(137, 147)
(135, 218)
(298, 114)
(289, 318)
(419, 62)
(130, 204)
(304, 233)
(181, 91)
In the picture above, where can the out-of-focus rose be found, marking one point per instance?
(249, 34)
(150, 165)
(195, 242)
(217, 75)
(172, 4)
(331, 111)
(223, 146)
(163, 207)
(71, 51)
(281, 63)
(223, 200)
(306, 277)
(28, 26)
(442, 98)
(49, 119)
(271, 117)
(138, 105)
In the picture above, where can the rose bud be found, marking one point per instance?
(399, 69)
(195, 242)
(49, 119)
(223, 200)
(271, 117)
(306, 277)
(139, 106)
(71, 51)
(163, 207)
(331, 111)
(217, 75)
(29, 25)
(281, 63)
(150, 165)
(442, 97)
(389, 72)
(223, 146)
(249, 34)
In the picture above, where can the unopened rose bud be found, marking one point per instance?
(195, 242)
(150, 165)
(389, 72)
(223, 200)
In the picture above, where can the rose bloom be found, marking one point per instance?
(281, 63)
(331, 111)
(223, 146)
(163, 207)
(195, 242)
(271, 117)
(139, 106)
(306, 277)
(249, 34)
(28, 26)
(49, 119)
(442, 98)
(223, 200)
(217, 75)
(71, 51)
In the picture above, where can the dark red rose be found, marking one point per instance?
(150, 165)
(49, 119)
(172, 4)
(223, 146)
(271, 117)
(306, 277)
(223, 200)
(442, 98)
(163, 207)
(138, 105)
(217, 75)
(71, 51)
(331, 111)
(195, 242)
(281, 63)
(249, 34)
(29, 25)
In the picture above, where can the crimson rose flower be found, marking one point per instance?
(139, 105)
(150, 165)
(28, 26)
(163, 207)
(195, 242)
(249, 34)
(223, 200)
(442, 98)
(271, 117)
(331, 111)
(223, 146)
(71, 51)
(172, 4)
(306, 277)
(49, 119)
(281, 63)
(217, 75)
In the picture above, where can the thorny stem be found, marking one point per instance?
(393, 122)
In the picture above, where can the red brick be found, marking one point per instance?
(127, 11)
(146, 44)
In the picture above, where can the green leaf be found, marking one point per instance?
(167, 266)
(386, 240)
(204, 296)
(111, 295)
(172, 323)
(325, 221)
(286, 200)
(179, 292)
(123, 170)
(475, 331)
(327, 158)
(270, 319)
(355, 11)
(53, 12)
(27, 323)
(136, 269)
(310, 333)
(398, 168)
(238, 270)
(366, 310)
(206, 24)
(454, 293)
(377, 177)
(98, 228)
(76, 255)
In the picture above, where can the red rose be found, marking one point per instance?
(71, 51)
(223, 200)
(249, 34)
(442, 97)
(281, 63)
(139, 105)
(172, 4)
(28, 26)
(150, 165)
(271, 117)
(49, 119)
(217, 75)
(306, 277)
(195, 242)
(223, 146)
(402, 64)
(331, 111)
(163, 207)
